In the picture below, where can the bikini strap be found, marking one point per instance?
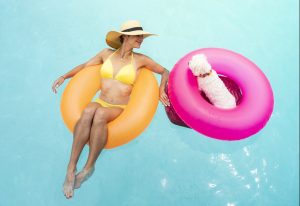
(113, 53)
(118, 50)
(131, 57)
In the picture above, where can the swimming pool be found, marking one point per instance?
(167, 164)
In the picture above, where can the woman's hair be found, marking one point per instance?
(121, 39)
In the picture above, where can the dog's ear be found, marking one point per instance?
(191, 68)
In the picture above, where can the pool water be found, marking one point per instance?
(167, 164)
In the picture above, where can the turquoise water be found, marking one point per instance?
(167, 164)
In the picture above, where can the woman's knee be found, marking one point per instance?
(89, 112)
(100, 116)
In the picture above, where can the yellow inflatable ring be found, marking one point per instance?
(132, 121)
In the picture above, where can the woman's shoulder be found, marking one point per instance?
(142, 60)
(106, 52)
(140, 56)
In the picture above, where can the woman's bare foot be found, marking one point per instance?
(83, 176)
(68, 187)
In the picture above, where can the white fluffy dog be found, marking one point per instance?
(210, 83)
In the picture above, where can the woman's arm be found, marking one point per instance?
(98, 59)
(157, 68)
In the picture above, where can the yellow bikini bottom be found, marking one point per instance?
(106, 104)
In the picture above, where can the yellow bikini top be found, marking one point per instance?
(125, 75)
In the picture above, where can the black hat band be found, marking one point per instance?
(133, 29)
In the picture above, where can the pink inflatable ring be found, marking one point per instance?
(250, 115)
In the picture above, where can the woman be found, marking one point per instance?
(118, 73)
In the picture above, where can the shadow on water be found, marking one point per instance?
(205, 144)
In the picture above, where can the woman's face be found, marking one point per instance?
(134, 41)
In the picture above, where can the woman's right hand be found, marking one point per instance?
(57, 83)
(93, 61)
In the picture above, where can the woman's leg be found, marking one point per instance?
(81, 136)
(98, 138)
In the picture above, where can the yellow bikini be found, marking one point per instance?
(106, 104)
(125, 75)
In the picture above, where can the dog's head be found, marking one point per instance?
(199, 64)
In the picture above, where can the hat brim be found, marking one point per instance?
(113, 37)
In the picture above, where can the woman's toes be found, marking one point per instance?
(68, 186)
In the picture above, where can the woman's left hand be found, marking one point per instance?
(163, 97)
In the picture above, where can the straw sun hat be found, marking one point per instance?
(131, 27)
